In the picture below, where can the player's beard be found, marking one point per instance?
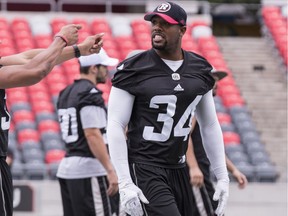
(165, 46)
(160, 47)
(100, 79)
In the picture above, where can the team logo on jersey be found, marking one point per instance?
(175, 76)
(178, 88)
(164, 7)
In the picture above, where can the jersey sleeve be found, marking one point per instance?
(92, 97)
(128, 70)
(202, 69)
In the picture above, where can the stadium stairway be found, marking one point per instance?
(264, 88)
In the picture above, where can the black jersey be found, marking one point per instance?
(74, 97)
(164, 104)
(5, 124)
(199, 150)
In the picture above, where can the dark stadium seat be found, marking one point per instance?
(18, 170)
(259, 157)
(52, 144)
(52, 170)
(20, 106)
(30, 155)
(266, 172)
(238, 157)
(36, 170)
(228, 127)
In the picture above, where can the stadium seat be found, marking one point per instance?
(30, 144)
(249, 137)
(52, 170)
(28, 134)
(232, 148)
(224, 118)
(18, 106)
(238, 157)
(231, 138)
(266, 172)
(41, 116)
(48, 125)
(54, 156)
(17, 170)
(228, 127)
(36, 170)
(23, 115)
(53, 144)
(34, 154)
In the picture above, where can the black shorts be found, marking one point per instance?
(6, 189)
(168, 190)
(85, 197)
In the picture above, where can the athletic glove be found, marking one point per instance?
(221, 194)
(130, 197)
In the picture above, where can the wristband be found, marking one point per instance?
(63, 38)
(76, 51)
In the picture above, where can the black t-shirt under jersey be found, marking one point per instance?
(164, 103)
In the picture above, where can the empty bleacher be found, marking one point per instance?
(35, 136)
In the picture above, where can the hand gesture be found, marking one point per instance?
(130, 197)
(69, 33)
(221, 194)
(92, 44)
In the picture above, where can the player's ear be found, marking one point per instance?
(182, 30)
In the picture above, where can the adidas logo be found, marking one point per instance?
(178, 88)
(120, 67)
(93, 90)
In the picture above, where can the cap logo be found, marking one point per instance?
(164, 7)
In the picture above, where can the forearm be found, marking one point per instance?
(99, 150)
(230, 166)
(20, 58)
(211, 134)
(119, 111)
(35, 70)
(190, 155)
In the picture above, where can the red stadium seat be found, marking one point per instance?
(231, 138)
(99, 25)
(232, 100)
(48, 125)
(23, 115)
(28, 134)
(224, 118)
(54, 156)
(42, 106)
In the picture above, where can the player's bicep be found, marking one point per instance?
(120, 106)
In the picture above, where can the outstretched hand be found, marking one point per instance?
(92, 44)
(70, 33)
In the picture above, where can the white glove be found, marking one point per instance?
(221, 194)
(130, 197)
